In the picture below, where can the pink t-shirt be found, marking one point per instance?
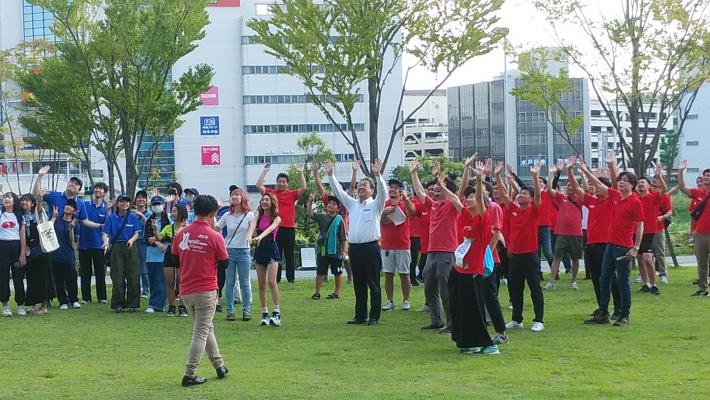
(264, 223)
(569, 215)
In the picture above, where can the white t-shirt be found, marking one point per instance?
(585, 217)
(9, 227)
(236, 238)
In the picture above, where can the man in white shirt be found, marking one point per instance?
(363, 235)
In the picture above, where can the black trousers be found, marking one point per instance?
(422, 263)
(9, 254)
(502, 269)
(366, 264)
(489, 286)
(525, 268)
(593, 257)
(467, 302)
(39, 280)
(65, 282)
(91, 262)
(286, 240)
(414, 251)
(221, 275)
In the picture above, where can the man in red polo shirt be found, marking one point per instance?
(443, 241)
(625, 234)
(286, 236)
(523, 215)
(651, 201)
(665, 211)
(395, 242)
(701, 216)
(198, 249)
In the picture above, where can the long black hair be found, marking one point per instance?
(164, 221)
(15, 206)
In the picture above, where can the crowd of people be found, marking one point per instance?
(459, 240)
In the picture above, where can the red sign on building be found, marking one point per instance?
(223, 3)
(211, 155)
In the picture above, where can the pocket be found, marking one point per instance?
(368, 215)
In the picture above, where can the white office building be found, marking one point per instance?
(695, 137)
(426, 131)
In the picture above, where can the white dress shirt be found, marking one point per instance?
(364, 224)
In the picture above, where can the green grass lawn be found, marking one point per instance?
(94, 354)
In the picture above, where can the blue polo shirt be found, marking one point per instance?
(153, 254)
(59, 200)
(90, 238)
(65, 252)
(114, 222)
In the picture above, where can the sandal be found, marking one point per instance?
(333, 296)
(316, 296)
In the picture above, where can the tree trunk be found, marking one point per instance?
(374, 118)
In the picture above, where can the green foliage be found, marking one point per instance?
(362, 41)
(425, 163)
(109, 82)
(669, 150)
(544, 89)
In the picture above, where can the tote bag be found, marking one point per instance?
(47, 236)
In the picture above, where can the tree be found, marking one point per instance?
(115, 60)
(669, 151)
(545, 89)
(648, 51)
(336, 47)
(425, 163)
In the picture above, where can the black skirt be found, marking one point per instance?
(267, 251)
(40, 282)
(467, 304)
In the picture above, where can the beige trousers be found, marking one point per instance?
(202, 307)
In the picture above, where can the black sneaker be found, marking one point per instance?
(222, 372)
(557, 277)
(645, 289)
(701, 293)
(622, 321)
(275, 319)
(264, 319)
(601, 318)
(182, 311)
(615, 315)
(218, 308)
(654, 290)
(595, 312)
(192, 381)
(246, 316)
(171, 311)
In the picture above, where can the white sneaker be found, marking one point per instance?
(574, 286)
(406, 306)
(6, 311)
(504, 282)
(664, 279)
(64, 307)
(388, 306)
(82, 302)
(549, 286)
(103, 302)
(510, 306)
(639, 279)
(21, 310)
(537, 327)
(514, 325)
(149, 310)
(76, 305)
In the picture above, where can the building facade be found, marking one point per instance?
(426, 131)
(485, 118)
(695, 135)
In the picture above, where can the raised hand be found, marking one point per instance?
(535, 169)
(413, 166)
(44, 170)
(560, 165)
(299, 167)
(509, 168)
(435, 168)
(571, 161)
(311, 197)
(657, 169)
(328, 167)
(55, 212)
(479, 170)
(356, 165)
(488, 167)
(315, 166)
(610, 156)
(266, 169)
(682, 165)
(376, 167)
(469, 161)
(499, 167)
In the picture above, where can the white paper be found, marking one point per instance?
(397, 216)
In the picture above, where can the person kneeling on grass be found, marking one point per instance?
(331, 245)
(198, 249)
(266, 256)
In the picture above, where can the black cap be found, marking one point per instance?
(233, 188)
(142, 193)
(157, 200)
(191, 190)
(335, 199)
(123, 197)
(395, 182)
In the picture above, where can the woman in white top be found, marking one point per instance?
(238, 221)
(12, 230)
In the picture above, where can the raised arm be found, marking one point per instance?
(316, 177)
(381, 187)
(502, 190)
(302, 184)
(576, 189)
(260, 181)
(611, 163)
(416, 183)
(551, 173)
(480, 198)
(37, 187)
(681, 178)
(658, 174)
(534, 170)
(601, 188)
(353, 178)
(449, 195)
(411, 210)
(335, 185)
(309, 206)
(466, 175)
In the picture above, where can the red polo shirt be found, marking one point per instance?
(423, 218)
(651, 206)
(478, 229)
(548, 214)
(287, 205)
(199, 248)
(702, 225)
(662, 210)
(599, 218)
(442, 230)
(523, 228)
(569, 215)
(625, 214)
(394, 237)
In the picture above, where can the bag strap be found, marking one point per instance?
(700, 208)
(123, 225)
(235, 231)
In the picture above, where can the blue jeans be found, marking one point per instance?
(239, 264)
(157, 286)
(544, 239)
(142, 248)
(622, 268)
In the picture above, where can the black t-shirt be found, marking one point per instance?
(323, 221)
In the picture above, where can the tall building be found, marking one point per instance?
(426, 131)
(255, 112)
(695, 133)
(485, 118)
(604, 136)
